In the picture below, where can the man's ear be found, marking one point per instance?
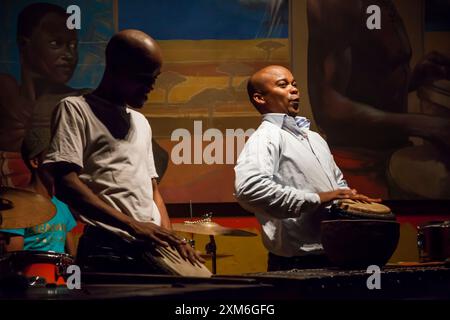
(259, 98)
(34, 163)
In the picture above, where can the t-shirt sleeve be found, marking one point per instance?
(68, 135)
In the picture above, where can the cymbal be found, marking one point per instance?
(22, 208)
(208, 256)
(210, 228)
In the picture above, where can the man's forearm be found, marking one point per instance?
(74, 192)
(263, 194)
(165, 220)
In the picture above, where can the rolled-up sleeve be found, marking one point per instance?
(255, 187)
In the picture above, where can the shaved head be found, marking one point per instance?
(273, 89)
(133, 50)
(133, 62)
(258, 81)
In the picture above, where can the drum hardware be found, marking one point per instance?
(211, 248)
(433, 241)
(23, 209)
(206, 226)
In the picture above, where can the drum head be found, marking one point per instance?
(170, 262)
(351, 209)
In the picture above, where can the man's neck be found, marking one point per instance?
(106, 92)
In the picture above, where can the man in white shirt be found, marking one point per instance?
(102, 161)
(286, 174)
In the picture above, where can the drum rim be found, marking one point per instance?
(342, 214)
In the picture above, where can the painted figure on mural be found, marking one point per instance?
(48, 53)
(48, 58)
(359, 80)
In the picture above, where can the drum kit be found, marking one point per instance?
(21, 208)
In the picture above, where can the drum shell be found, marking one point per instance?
(433, 241)
(51, 266)
(356, 244)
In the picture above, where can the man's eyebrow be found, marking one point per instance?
(282, 79)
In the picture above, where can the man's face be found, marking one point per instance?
(135, 86)
(51, 51)
(279, 92)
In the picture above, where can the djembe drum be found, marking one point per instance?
(357, 209)
(359, 234)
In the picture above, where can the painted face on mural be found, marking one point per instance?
(51, 51)
(279, 93)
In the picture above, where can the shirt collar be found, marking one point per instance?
(297, 125)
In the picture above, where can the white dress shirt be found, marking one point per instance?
(278, 175)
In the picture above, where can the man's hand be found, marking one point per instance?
(344, 194)
(164, 237)
(153, 232)
(187, 252)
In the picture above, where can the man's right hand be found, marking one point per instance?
(155, 233)
(344, 194)
(164, 237)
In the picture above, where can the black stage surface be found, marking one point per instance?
(396, 283)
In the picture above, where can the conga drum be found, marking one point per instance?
(419, 172)
(170, 262)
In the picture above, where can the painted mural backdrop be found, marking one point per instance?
(41, 62)
(366, 68)
(363, 85)
(210, 48)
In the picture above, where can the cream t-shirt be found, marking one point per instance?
(119, 171)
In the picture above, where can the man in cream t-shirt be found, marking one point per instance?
(102, 160)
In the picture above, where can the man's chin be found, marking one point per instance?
(136, 105)
(293, 113)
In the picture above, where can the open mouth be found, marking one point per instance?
(295, 103)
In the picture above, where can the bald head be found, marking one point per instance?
(133, 62)
(273, 89)
(133, 50)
